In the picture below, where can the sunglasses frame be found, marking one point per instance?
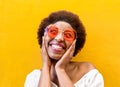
(47, 28)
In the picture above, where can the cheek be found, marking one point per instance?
(47, 40)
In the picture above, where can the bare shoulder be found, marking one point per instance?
(81, 68)
(85, 66)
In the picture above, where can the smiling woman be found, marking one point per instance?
(61, 36)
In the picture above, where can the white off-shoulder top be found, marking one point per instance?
(91, 79)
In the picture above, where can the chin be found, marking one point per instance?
(55, 57)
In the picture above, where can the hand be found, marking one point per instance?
(45, 78)
(62, 63)
(45, 57)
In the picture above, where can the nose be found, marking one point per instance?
(59, 37)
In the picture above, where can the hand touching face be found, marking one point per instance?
(65, 59)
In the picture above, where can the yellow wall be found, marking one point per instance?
(19, 50)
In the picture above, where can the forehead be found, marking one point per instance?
(62, 25)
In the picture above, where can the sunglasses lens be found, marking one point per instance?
(52, 31)
(69, 35)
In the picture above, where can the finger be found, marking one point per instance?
(42, 41)
(43, 46)
(44, 50)
(70, 51)
(71, 48)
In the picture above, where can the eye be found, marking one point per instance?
(68, 34)
(52, 31)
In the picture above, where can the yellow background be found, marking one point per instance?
(19, 50)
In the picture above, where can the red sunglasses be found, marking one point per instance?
(69, 34)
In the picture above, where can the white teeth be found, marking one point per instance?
(56, 47)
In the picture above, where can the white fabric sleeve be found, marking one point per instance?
(92, 79)
(32, 79)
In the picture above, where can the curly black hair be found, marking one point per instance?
(68, 17)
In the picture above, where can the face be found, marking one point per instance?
(59, 37)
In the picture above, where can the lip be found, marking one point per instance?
(57, 47)
(58, 44)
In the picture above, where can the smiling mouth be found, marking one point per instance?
(57, 47)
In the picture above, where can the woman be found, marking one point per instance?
(61, 36)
